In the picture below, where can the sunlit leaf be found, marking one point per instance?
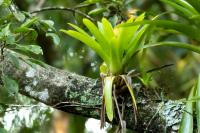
(107, 29)
(97, 11)
(88, 41)
(107, 92)
(97, 34)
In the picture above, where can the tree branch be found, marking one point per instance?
(73, 10)
(81, 95)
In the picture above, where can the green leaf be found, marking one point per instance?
(42, 64)
(10, 84)
(181, 8)
(187, 6)
(135, 44)
(31, 33)
(130, 89)
(30, 48)
(7, 2)
(168, 24)
(55, 37)
(88, 41)
(107, 93)
(1, 2)
(29, 22)
(190, 47)
(3, 130)
(195, 4)
(47, 25)
(198, 103)
(127, 33)
(97, 11)
(19, 16)
(79, 29)
(106, 29)
(14, 60)
(97, 34)
(186, 125)
(91, 1)
(6, 30)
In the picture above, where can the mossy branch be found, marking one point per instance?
(81, 95)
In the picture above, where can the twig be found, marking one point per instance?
(159, 68)
(62, 9)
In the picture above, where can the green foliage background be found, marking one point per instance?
(70, 54)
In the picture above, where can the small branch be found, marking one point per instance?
(63, 9)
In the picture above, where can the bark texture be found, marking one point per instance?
(81, 95)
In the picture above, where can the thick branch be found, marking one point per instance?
(76, 94)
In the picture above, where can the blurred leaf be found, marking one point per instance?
(198, 104)
(91, 1)
(1, 2)
(38, 62)
(186, 125)
(168, 24)
(6, 30)
(6, 35)
(3, 130)
(47, 25)
(181, 8)
(30, 33)
(19, 16)
(55, 37)
(14, 60)
(187, 46)
(195, 4)
(29, 22)
(6, 2)
(97, 11)
(10, 39)
(5, 96)
(30, 48)
(10, 84)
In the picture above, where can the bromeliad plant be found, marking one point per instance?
(116, 46)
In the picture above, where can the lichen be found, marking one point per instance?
(27, 88)
(171, 112)
(35, 82)
(44, 95)
(31, 73)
